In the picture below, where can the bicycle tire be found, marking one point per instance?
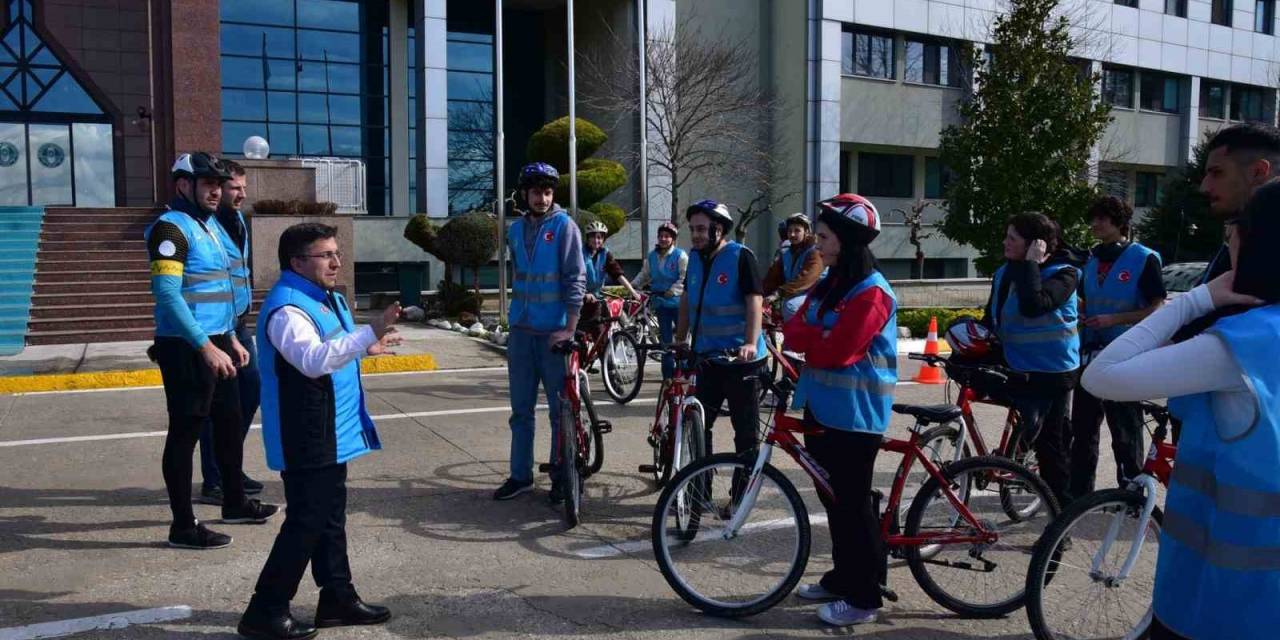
(919, 564)
(662, 553)
(694, 448)
(1048, 552)
(570, 465)
(595, 448)
(944, 433)
(619, 390)
(1023, 454)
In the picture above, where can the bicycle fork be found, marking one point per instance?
(1148, 484)
(749, 496)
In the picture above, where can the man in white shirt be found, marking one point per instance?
(314, 421)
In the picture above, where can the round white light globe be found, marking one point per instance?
(256, 148)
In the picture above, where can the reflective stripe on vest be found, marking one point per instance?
(537, 302)
(664, 273)
(717, 307)
(238, 265)
(206, 279)
(1118, 293)
(595, 270)
(1048, 343)
(858, 397)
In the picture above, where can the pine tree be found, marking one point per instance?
(1026, 134)
(1181, 227)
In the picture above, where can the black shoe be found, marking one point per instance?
(512, 488)
(251, 487)
(211, 495)
(251, 512)
(281, 626)
(197, 537)
(556, 495)
(334, 611)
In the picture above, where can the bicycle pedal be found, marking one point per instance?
(648, 468)
(546, 467)
(604, 426)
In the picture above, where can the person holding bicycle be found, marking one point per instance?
(797, 268)
(600, 265)
(547, 293)
(1032, 309)
(663, 272)
(1217, 574)
(1122, 285)
(722, 310)
(848, 330)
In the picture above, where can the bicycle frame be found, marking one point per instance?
(1157, 468)
(967, 398)
(574, 379)
(676, 397)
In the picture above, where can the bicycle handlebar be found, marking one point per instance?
(1000, 373)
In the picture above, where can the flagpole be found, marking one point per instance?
(643, 48)
(328, 114)
(266, 75)
(500, 160)
(573, 120)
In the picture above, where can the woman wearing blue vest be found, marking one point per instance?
(848, 330)
(1033, 310)
(1218, 572)
(601, 266)
(797, 268)
(1121, 285)
(663, 272)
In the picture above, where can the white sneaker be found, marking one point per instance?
(816, 591)
(842, 614)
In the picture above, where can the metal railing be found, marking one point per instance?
(340, 181)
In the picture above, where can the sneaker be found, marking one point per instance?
(251, 512)
(816, 591)
(556, 495)
(512, 488)
(211, 495)
(197, 537)
(842, 614)
(251, 487)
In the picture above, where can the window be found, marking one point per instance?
(471, 120)
(1149, 189)
(867, 53)
(1117, 86)
(1161, 92)
(1264, 16)
(1220, 12)
(1128, 3)
(936, 178)
(1249, 103)
(1113, 181)
(933, 63)
(846, 159)
(1176, 8)
(1213, 100)
(885, 175)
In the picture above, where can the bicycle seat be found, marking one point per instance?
(929, 413)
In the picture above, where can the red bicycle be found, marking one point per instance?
(578, 444)
(742, 543)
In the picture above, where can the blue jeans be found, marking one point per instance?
(666, 332)
(250, 382)
(529, 362)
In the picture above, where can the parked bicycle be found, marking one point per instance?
(578, 445)
(1092, 573)
(617, 353)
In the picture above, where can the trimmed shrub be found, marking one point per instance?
(276, 207)
(611, 215)
(550, 144)
(422, 232)
(917, 320)
(597, 178)
(470, 240)
(317, 209)
(454, 299)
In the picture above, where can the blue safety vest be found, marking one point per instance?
(536, 300)
(1218, 573)
(595, 270)
(1118, 292)
(790, 271)
(306, 422)
(858, 397)
(664, 273)
(238, 256)
(717, 308)
(1048, 343)
(206, 277)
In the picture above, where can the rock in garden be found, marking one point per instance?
(414, 314)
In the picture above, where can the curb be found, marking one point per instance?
(151, 377)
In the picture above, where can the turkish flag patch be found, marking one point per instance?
(549, 237)
(722, 279)
(1124, 276)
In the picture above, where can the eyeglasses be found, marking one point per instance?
(328, 255)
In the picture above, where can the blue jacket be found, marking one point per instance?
(238, 255)
(539, 299)
(860, 396)
(1118, 293)
(311, 422)
(717, 308)
(1218, 573)
(791, 267)
(1048, 343)
(206, 287)
(595, 271)
(664, 273)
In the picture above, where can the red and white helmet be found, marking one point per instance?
(853, 212)
(971, 339)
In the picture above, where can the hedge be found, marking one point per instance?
(550, 144)
(597, 178)
(917, 320)
(422, 232)
(469, 240)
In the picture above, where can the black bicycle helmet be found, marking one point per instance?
(538, 174)
(199, 165)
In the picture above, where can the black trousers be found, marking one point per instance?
(1044, 416)
(857, 550)
(1124, 419)
(1161, 632)
(718, 382)
(315, 532)
(194, 395)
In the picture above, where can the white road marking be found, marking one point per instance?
(121, 620)
(614, 550)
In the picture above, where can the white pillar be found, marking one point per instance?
(433, 110)
(398, 94)
(1191, 125)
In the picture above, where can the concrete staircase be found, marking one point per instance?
(19, 240)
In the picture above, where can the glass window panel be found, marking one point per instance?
(13, 177)
(277, 12)
(50, 146)
(329, 14)
(6, 104)
(1117, 87)
(463, 201)
(247, 40)
(283, 139)
(342, 47)
(469, 56)
(45, 56)
(347, 141)
(345, 109)
(244, 73)
(238, 104)
(914, 62)
(13, 41)
(886, 175)
(464, 85)
(94, 165)
(282, 106)
(312, 107)
(66, 96)
(846, 52)
(1213, 100)
(44, 74)
(313, 140)
(5, 56)
(1220, 12)
(235, 133)
(342, 78)
(29, 40)
(467, 36)
(470, 116)
(936, 178)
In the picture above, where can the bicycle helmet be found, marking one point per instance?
(797, 218)
(199, 165)
(538, 174)
(670, 228)
(715, 210)
(595, 226)
(971, 339)
(851, 213)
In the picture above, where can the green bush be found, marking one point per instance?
(276, 207)
(422, 232)
(611, 214)
(917, 320)
(597, 178)
(317, 208)
(550, 144)
(470, 240)
(454, 299)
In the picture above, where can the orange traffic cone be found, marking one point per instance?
(929, 374)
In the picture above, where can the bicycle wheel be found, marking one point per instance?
(595, 451)
(975, 579)
(939, 444)
(622, 370)
(570, 464)
(739, 575)
(1023, 454)
(693, 446)
(1067, 599)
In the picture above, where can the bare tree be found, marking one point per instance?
(763, 175)
(914, 220)
(471, 140)
(706, 113)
